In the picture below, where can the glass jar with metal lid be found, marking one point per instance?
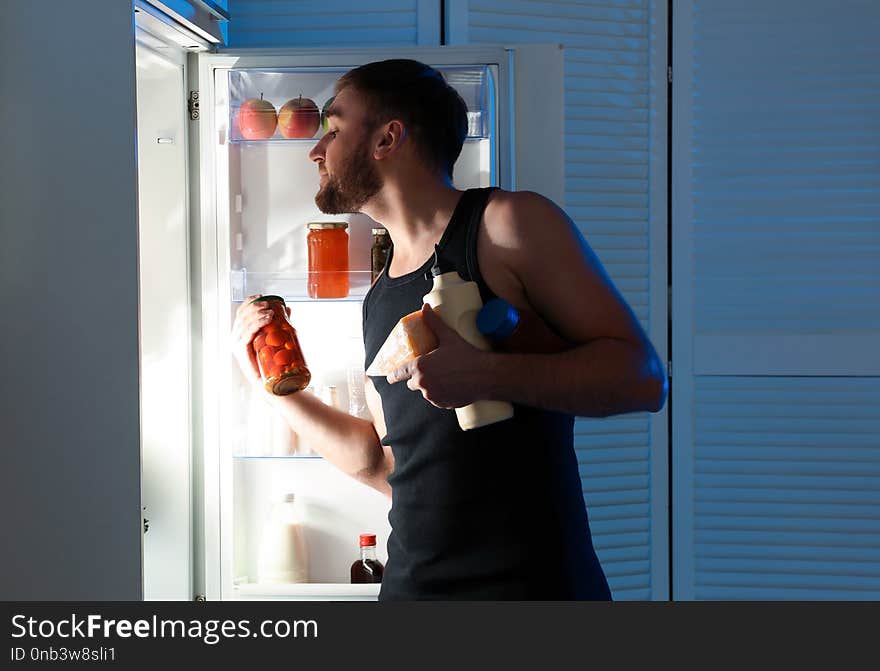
(328, 259)
(379, 252)
(279, 356)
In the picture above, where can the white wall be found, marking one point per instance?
(70, 491)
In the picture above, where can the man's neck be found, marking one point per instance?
(415, 215)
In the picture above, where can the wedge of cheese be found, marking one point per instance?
(410, 338)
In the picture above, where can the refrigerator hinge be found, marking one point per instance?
(193, 105)
(669, 73)
(200, 597)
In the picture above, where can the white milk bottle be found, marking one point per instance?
(283, 554)
(457, 302)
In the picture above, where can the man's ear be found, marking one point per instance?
(391, 138)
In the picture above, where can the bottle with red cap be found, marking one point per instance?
(367, 569)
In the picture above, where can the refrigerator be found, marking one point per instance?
(223, 217)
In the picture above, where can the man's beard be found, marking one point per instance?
(356, 181)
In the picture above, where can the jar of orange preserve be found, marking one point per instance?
(279, 357)
(328, 259)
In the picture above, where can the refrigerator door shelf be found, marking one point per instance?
(293, 287)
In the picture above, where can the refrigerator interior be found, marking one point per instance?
(265, 199)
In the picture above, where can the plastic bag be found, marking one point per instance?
(410, 338)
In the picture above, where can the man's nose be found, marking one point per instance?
(317, 152)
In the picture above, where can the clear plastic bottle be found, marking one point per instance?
(357, 398)
(283, 555)
(368, 568)
(330, 395)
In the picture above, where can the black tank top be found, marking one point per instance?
(491, 513)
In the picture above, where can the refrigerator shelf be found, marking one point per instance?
(276, 139)
(294, 287)
(280, 140)
(276, 456)
(279, 86)
(330, 591)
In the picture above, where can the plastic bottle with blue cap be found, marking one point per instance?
(457, 303)
(513, 330)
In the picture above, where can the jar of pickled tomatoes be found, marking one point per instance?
(328, 259)
(279, 356)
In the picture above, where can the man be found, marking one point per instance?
(495, 512)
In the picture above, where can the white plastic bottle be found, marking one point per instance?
(283, 555)
(457, 302)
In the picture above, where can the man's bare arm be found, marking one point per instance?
(612, 368)
(349, 443)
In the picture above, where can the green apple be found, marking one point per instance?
(325, 123)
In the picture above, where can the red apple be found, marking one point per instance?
(299, 118)
(257, 119)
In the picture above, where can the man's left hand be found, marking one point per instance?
(450, 376)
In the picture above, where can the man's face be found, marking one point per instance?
(349, 177)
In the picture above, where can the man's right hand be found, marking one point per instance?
(349, 443)
(249, 319)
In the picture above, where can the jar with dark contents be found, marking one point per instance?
(328, 259)
(379, 252)
(279, 356)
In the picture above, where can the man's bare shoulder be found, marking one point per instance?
(510, 239)
(513, 217)
(511, 211)
(534, 243)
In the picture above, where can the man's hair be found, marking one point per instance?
(434, 114)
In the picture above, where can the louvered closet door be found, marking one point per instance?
(342, 23)
(615, 191)
(776, 309)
